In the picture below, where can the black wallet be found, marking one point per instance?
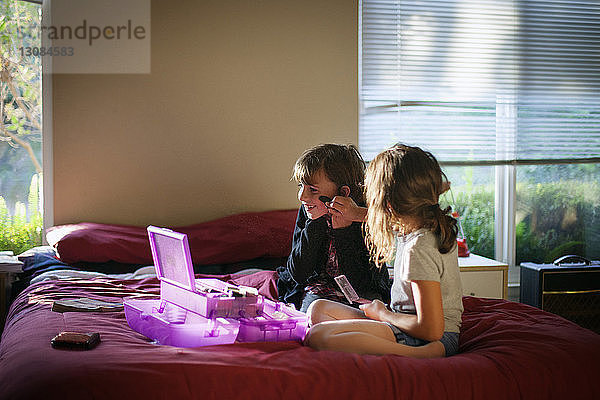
(75, 340)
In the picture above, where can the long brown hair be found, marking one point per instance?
(403, 184)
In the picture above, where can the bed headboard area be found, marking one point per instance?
(225, 240)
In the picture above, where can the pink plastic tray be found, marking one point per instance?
(169, 324)
(278, 322)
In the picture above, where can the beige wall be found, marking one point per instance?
(238, 90)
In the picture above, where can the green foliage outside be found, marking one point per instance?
(556, 219)
(476, 210)
(20, 232)
(20, 84)
(553, 219)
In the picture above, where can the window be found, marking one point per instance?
(506, 94)
(21, 126)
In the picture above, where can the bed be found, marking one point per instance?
(507, 350)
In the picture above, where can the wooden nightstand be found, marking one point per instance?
(5, 281)
(483, 277)
(480, 276)
(7, 274)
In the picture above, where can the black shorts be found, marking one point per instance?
(449, 340)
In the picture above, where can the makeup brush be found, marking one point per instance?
(325, 199)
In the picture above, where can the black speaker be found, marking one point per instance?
(569, 287)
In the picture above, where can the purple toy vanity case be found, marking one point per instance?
(190, 312)
(201, 312)
(278, 322)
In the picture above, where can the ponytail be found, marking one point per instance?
(443, 225)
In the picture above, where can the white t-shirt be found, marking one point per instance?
(418, 259)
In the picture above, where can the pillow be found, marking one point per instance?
(40, 258)
(230, 239)
(28, 257)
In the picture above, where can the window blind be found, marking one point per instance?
(481, 81)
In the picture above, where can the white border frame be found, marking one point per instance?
(47, 126)
(504, 224)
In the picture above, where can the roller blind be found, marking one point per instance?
(481, 81)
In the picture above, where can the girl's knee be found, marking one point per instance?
(316, 310)
(315, 306)
(318, 336)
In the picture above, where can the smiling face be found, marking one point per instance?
(309, 193)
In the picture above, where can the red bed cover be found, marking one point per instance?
(507, 351)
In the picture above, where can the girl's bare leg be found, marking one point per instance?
(326, 310)
(364, 336)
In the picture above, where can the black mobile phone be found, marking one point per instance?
(75, 340)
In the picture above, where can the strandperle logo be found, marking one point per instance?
(95, 36)
(91, 33)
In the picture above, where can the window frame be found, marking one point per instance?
(505, 164)
(47, 125)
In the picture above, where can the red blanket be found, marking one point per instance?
(507, 351)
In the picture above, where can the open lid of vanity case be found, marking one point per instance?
(172, 257)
